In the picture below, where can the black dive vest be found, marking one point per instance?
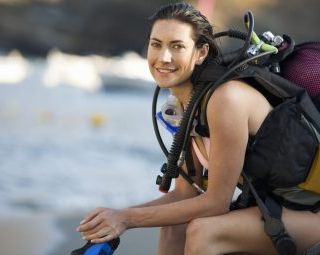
(284, 152)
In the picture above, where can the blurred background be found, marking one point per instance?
(75, 108)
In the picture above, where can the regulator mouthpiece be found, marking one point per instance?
(171, 114)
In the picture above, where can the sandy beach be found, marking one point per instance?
(45, 234)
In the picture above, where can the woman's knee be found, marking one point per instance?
(208, 236)
(173, 233)
(172, 240)
(200, 236)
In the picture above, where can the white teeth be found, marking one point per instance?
(165, 70)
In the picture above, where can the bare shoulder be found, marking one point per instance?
(238, 100)
(236, 92)
(233, 95)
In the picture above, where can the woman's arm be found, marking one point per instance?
(228, 114)
(228, 123)
(118, 220)
(182, 189)
(177, 194)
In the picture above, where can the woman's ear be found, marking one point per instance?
(202, 53)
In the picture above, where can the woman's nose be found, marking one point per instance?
(165, 55)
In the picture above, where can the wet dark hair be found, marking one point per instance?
(184, 12)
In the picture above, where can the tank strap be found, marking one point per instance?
(271, 212)
(189, 161)
(314, 250)
(316, 208)
(245, 199)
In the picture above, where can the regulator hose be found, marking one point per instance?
(231, 33)
(155, 123)
(174, 158)
(161, 143)
(248, 19)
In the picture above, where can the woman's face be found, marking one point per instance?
(172, 54)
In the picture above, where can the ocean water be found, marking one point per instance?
(65, 148)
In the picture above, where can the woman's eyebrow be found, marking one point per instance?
(176, 41)
(155, 39)
(173, 41)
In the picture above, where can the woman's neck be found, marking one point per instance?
(183, 93)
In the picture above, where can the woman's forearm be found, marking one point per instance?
(173, 213)
(172, 196)
(165, 199)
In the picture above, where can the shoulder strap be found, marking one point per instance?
(189, 161)
(314, 250)
(316, 208)
(210, 74)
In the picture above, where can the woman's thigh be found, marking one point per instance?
(303, 226)
(243, 231)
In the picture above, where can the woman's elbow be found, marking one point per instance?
(215, 206)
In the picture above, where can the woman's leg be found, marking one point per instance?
(172, 240)
(242, 231)
(304, 227)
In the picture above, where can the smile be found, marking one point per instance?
(166, 70)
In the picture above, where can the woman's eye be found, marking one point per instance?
(177, 46)
(155, 44)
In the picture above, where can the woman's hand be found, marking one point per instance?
(102, 225)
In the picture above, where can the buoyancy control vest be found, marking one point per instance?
(285, 152)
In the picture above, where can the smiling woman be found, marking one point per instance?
(181, 46)
(172, 54)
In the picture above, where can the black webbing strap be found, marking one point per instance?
(245, 198)
(314, 250)
(189, 161)
(273, 226)
(275, 209)
(211, 73)
(315, 209)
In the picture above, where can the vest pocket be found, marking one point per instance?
(284, 148)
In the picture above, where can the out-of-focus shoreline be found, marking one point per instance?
(45, 234)
(30, 234)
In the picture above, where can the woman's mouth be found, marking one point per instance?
(166, 70)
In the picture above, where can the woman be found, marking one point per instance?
(181, 42)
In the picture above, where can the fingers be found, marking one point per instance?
(91, 215)
(91, 221)
(101, 225)
(102, 235)
(89, 225)
(91, 232)
(105, 238)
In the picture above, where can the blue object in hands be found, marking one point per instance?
(98, 248)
